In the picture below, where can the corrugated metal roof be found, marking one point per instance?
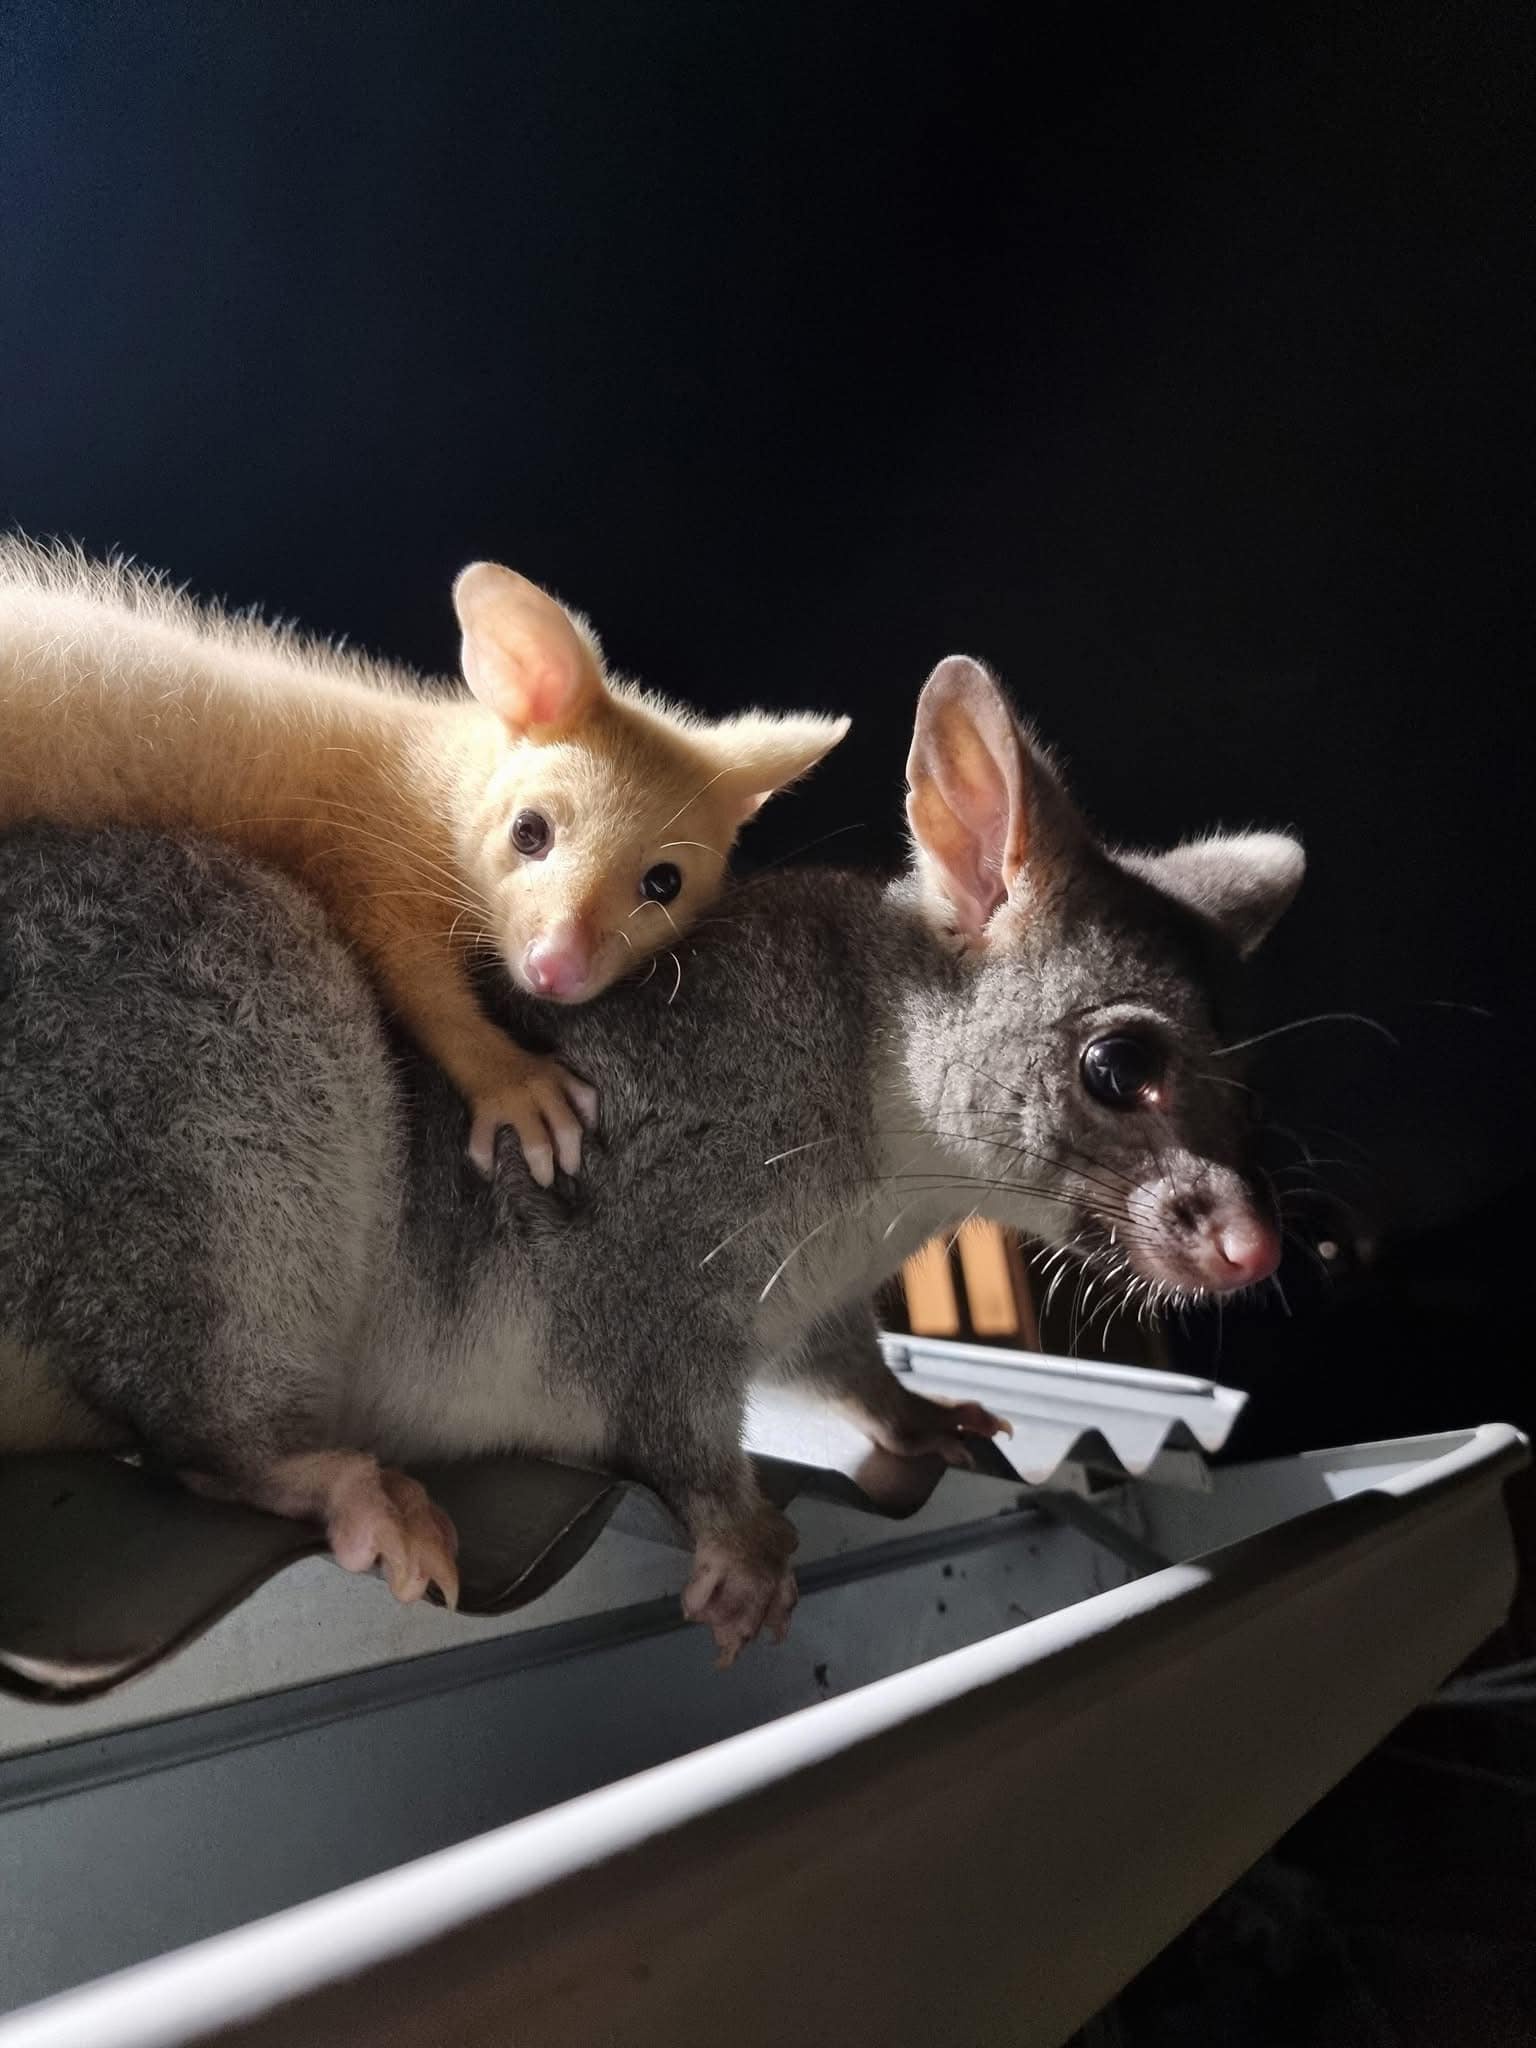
(105, 1570)
(1074, 1424)
(1120, 1419)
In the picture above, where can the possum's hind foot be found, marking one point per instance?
(371, 1516)
(741, 1585)
(737, 1599)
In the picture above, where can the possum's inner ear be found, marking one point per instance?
(969, 792)
(523, 655)
(763, 752)
(1243, 883)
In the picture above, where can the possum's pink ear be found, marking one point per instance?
(970, 788)
(763, 752)
(524, 656)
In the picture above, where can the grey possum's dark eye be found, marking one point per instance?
(1122, 1070)
(531, 833)
(662, 883)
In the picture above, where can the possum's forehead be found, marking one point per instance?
(1168, 964)
(636, 789)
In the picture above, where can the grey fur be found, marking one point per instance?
(197, 1127)
(1244, 882)
(236, 1220)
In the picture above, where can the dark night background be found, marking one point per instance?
(1180, 367)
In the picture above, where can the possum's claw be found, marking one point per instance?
(546, 1106)
(736, 1598)
(383, 1518)
(925, 1425)
(371, 1515)
(419, 1547)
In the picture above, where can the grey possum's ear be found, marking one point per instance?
(524, 656)
(970, 792)
(1243, 883)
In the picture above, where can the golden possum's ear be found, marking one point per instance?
(763, 752)
(523, 656)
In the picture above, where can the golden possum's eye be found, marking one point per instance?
(662, 883)
(532, 834)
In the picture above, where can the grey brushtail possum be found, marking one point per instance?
(237, 1228)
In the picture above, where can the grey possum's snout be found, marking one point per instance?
(1201, 1228)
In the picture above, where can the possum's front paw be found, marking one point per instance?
(737, 1597)
(545, 1105)
(920, 1427)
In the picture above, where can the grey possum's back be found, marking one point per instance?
(186, 1057)
(219, 1176)
(760, 1048)
(750, 1038)
(772, 989)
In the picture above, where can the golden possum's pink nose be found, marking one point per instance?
(559, 962)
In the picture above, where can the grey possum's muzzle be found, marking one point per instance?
(1200, 1227)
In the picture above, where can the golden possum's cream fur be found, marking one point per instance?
(568, 822)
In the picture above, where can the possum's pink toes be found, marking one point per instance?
(482, 1142)
(429, 1546)
(927, 1426)
(383, 1518)
(584, 1100)
(545, 1107)
(736, 1599)
(780, 1607)
(393, 1524)
(974, 1420)
(370, 1516)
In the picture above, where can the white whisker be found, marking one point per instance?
(810, 1146)
(651, 903)
(778, 1272)
(695, 797)
(1301, 1024)
(731, 1236)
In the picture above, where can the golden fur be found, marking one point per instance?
(123, 701)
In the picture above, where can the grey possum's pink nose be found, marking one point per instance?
(1203, 1229)
(1239, 1252)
